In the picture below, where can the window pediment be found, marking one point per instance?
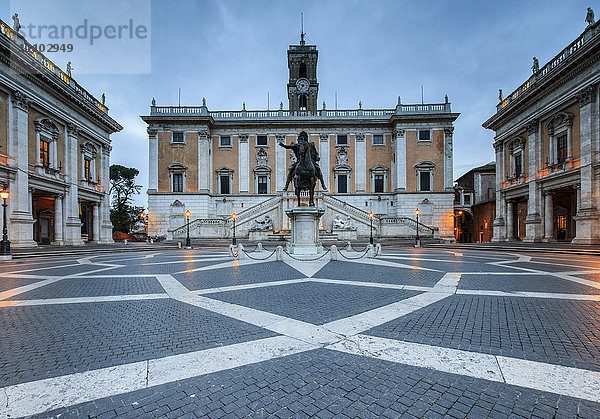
(224, 170)
(43, 124)
(177, 166)
(560, 120)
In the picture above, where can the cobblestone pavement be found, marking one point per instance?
(411, 333)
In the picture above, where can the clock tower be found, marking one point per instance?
(302, 87)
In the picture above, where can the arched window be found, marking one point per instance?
(303, 102)
(302, 70)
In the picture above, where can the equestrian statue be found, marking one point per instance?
(306, 171)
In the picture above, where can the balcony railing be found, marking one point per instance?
(549, 68)
(286, 114)
(38, 60)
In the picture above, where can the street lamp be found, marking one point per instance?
(233, 217)
(417, 212)
(188, 243)
(371, 215)
(4, 244)
(144, 217)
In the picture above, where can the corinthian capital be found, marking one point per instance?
(587, 96)
(20, 101)
(72, 129)
(151, 131)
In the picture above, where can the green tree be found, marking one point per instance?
(123, 215)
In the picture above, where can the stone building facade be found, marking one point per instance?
(474, 204)
(54, 150)
(214, 163)
(548, 149)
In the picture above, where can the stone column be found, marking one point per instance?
(324, 155)
(400, 136)
(448, 159)
(95, 222)
(280, 166)
(58, 220)
(533, 221)
(499, 224)
(243, 164)
(105, 223)
(20, 223)
(152, 160)
(204, 157)
(510, 207)
(548, 217)
(587, 218)
(72, 233)
(360, 163)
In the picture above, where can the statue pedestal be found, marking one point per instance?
(305, 230)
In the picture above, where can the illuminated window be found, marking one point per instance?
(44, 153)
(561, 148)
(87, 169)
(518, 165)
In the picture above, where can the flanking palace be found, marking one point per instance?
(389, 162)
(54, 150)
(548, 149)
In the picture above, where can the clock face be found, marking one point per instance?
(302, 85)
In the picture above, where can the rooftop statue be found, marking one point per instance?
(589, 18)
(17, 25)
(306, 171)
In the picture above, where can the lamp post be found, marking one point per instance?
(5, 243)
(458, 226)
(233, 217)
(371, 215)
(417, 212)
(188, 243)
(144, 217)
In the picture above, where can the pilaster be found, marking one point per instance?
(72, 233)
(533, 221)
(324, 154)
(204, 161)
(280, 169)
(21, 219)
(587, 217)
(243, 164)
(499, 224)
(448, 159)
(152, 160)
(400, 138)
(360, 163)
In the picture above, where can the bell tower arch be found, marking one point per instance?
(302, 87)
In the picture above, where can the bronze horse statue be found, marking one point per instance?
(305, 171)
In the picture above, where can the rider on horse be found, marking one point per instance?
(314, 157)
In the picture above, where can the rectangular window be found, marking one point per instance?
(44, 153)
(262, 140)
(178, 137)
(177, 182)
(225, 141)
(490, 193)
(87, 172)
(224, 181)
(342, 184)
(262, 185)
(561, 149)
(378, 139)
(378, 183)
(425, 181)
(518, 165)
(467, 199)
(342, 139)
(424, 135)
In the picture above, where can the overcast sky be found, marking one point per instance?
(371, 51)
